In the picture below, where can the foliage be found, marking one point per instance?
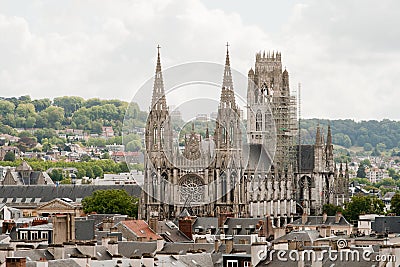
(56, 175)
(9, 156)
(111, 202)
(386, 132)
(331, 209)
(395, 204)
(362, 205)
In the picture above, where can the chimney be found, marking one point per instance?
(15, 262)
(153, 224)
(338, 216)
(324, 217)
(111, 243)
(229, 245)
(135, 261)
(160, 244)
(269, 230)
(216, 245)
(57, 250)
(304, 218)
(147, 260)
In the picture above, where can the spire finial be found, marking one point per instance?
(227, 81)
(158, 89)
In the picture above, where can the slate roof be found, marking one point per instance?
(23, 167)
(135, 248)
(46, 193)
(307, 235)
(63, 263)
(390, 224)
(258, 158)
(183, 248)
(171, 233)
(307, 158)
(34, 254)
(195, 260)
(204, 223)
(244, 223)
(317, 220)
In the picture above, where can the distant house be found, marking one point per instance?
(25, 175)
(329, 225)
(129, 157)
(137, 230)
(8, 213)
(107, 131)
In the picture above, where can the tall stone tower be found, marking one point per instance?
(206, 178)
(271, 190)
(158, 141)
(228, 147)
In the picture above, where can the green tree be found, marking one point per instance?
(9, 156)
(54, 116)
(6, 108)
(89, 172)
(361, 171)
(331, 209)
(70, 104)
(41, 104)
(81, 173)
(363, 205)
(395, 204)
(97, 171)
(56, 175)
(368, 147)
(114, 201)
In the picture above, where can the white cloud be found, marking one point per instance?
(345, 53)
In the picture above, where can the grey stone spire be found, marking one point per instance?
(158, 100)
(227, 81)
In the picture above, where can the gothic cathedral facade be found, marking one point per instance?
(213, 177)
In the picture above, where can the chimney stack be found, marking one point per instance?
(304, 218)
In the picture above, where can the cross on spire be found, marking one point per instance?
(158, 48)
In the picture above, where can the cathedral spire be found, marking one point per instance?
(329, 137)
(227, 81)
(207, 133)
(158, 100)
(318, 137)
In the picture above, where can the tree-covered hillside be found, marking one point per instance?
(91, 114)
(383, 134)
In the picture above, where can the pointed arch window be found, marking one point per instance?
(155, 133)
(258, 121)
(162, 135)
(231, 133)
(224, 139)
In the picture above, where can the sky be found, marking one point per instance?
(345, 53)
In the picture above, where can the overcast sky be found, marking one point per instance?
(346, 54)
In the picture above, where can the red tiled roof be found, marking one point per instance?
(141, 229)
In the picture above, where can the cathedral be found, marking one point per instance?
(218, 176)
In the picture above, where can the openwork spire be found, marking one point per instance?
(329, 137)
(227, 81)
(227, 95)
(158, 100)
(318, 137)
